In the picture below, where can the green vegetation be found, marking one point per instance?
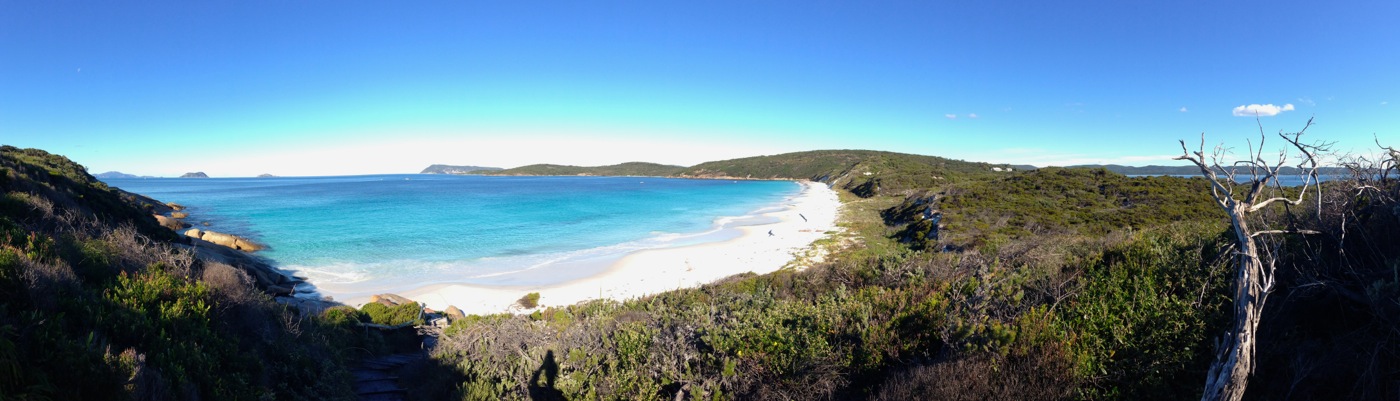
(529, 301)
(1058, 284)
(637, 169)
(863, 172)
(97, 302)
(840, 329)
(954, 282)
(409, 313)
(1052, 201)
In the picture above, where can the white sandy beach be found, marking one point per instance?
(653, 271)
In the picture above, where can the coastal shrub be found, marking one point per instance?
(1044, 375)
(845, 328)
(529, 301)
(395, 315)
(97, 303)
(1054, 201)
(230, 283)
(1147, 312)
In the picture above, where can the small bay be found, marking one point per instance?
(397, 231)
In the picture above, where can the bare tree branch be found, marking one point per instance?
(1270, 232)
(1254, 276)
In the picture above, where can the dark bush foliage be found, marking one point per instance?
(97, 303)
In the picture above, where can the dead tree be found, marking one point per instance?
(1254, 275)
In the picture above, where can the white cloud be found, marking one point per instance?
(1183, 109)
(1307, 100)
(972, 115)
(1384, 103)
(951, 116)
(1261, 110)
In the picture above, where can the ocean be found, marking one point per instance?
(363, 233)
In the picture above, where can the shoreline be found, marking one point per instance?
(799, 222)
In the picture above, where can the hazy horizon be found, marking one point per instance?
(322, 88)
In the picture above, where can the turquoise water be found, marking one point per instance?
(389, 231)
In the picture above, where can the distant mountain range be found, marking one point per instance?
(1192, 170)
(447, 169)
(639, 169)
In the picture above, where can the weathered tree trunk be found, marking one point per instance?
(1254, 278)
(1234, 360)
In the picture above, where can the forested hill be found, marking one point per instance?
(638, 169)
(864, 172)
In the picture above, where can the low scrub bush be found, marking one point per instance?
(409, 313)
(529, 301)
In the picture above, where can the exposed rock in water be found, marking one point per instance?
(228, 240)
(170, 222)
(197, 174)
(179, 215)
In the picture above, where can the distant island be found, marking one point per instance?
(118, 174)
(197, 174)
(448, 169)
(265, 175)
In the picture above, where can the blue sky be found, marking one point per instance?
(314, 88)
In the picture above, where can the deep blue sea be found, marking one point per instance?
(404, 230)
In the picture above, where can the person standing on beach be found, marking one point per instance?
(770, 233)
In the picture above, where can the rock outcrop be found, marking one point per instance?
(228, 240)
(170, 222)
(390, 299)
(453, 314)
